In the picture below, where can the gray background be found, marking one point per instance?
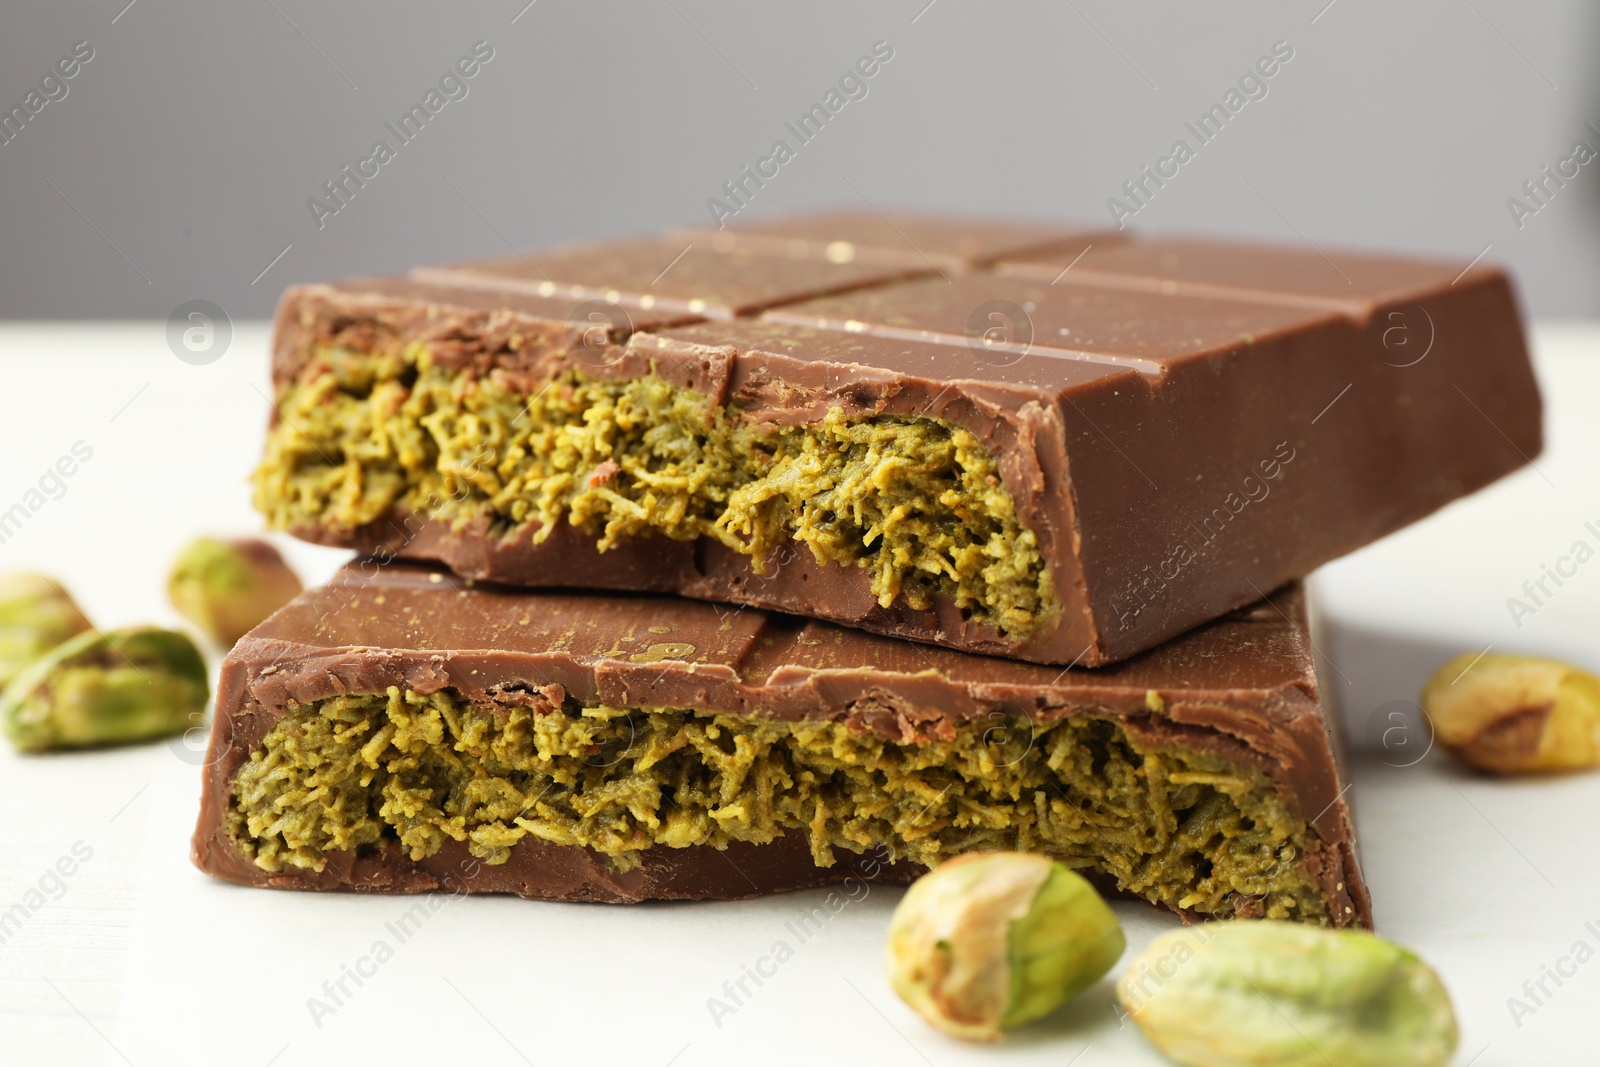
(185, 151)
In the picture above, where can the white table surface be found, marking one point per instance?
(136, 958)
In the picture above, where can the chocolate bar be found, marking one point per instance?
(405, 730)
(1057, 446)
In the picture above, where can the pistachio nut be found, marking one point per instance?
(1250, 993)
(36, 615)
(107, 688)
(1509, 714)
(227, 588)
(990, 941)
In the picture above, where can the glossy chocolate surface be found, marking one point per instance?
(919, 242)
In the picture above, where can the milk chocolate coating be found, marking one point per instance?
(917, 242)
(1242, 688)
(1182, 424)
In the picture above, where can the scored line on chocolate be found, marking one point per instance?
(1148, 367)
(465, 277)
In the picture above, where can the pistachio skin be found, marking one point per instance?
(36, 615)
(105, 689)
(228, 588)
(990, 941)
(1509, 714)
(1259, 992)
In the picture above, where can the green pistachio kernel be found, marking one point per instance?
(36, 615)
(989, 941)
(228, 588)
(1250, 993)
(106, 689)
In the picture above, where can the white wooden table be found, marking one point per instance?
(136, 958)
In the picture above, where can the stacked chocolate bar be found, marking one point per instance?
(840, 545)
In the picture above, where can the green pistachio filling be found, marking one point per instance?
(413, 771)
(916, 500)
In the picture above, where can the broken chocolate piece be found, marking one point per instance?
(1067, 462)
(403, 730)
